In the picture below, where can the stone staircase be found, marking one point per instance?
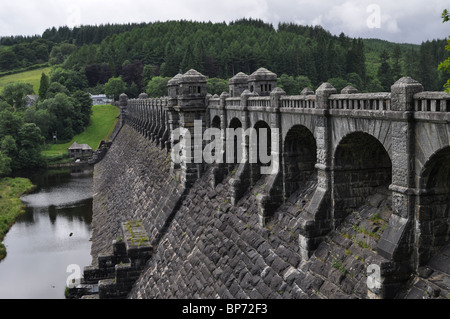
(116, 273)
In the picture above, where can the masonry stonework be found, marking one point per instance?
(362, 183)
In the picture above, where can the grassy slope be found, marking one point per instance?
(33, 77)
(10, 205)
(103, 120)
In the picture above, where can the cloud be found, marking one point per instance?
(400, 21)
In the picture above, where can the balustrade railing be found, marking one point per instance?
(298, 101)
(432, 102)
(361, 101)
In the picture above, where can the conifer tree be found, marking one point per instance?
(44, 85)
(385, 71)
(446, 64)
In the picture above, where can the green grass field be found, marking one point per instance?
(103, 121)
(33, 77)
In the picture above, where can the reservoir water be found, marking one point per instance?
(51, 241)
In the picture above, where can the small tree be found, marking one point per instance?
(115, 87)
(14, 94)
(157, 87)
(5, 165)
(446, 64)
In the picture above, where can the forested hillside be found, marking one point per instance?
(300, 55)
(136, 58)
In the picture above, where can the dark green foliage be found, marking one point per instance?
(20, 142)
(8, 60)
(385, 72)
(14, 94)
(29, 140)
(10, 124)
(83, 110)
(220, 51)
(44, 85)
(157, 86)
(5, 165)
(217, 86)
(445, 65)
(115, 87)
(70, 79)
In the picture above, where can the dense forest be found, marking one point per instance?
(298, 54)
(135, 58)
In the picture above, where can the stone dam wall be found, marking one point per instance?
(202, 246)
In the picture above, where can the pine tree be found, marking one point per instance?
(44, 85)
(356, 59)
(396, 66)
(445, 65)
(385, 71)
(427, 70)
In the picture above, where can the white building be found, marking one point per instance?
(100, 99)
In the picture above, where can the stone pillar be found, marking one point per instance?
(223, 124)
(397, 242)
(165, 139)
(317, 220)
(272, 197)
(221, 169)
(173, 119)
(123, 102)
(241, 180)
(143, 99)
(191, 108)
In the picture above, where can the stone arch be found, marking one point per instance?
(215, 123)
(299, 158)
(433, 209)
(360, 165)
(259, 149)
(235, 123)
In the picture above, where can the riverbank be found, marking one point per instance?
(11, 189)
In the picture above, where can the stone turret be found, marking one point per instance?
(238, 84)
(262, 82)
(191, 107)
(192, 90)
(173, 86)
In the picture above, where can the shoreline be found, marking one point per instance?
(11, 207)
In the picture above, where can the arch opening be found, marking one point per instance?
(216, 123)
(237, 147)
(433, 207)
(260, 150)
(361, 164)
(299, 158)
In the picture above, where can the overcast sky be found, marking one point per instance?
(406, 21)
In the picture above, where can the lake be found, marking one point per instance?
(52, 235)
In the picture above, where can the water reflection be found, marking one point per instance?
(53, 234)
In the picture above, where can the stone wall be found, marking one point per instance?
(132, 182)
(205, 247)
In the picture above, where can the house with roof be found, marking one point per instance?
(80, 151)
(31, 100)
